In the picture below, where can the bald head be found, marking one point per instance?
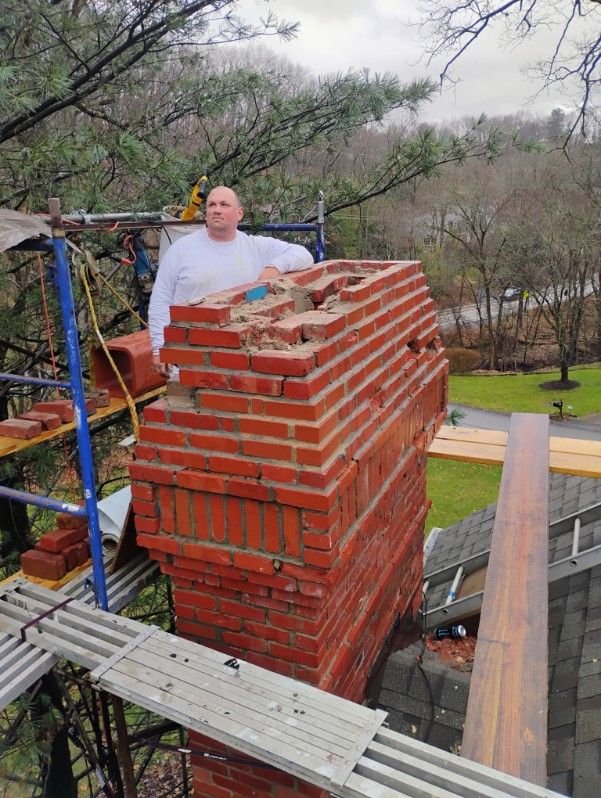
(224, 212)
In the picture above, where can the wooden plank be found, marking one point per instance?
(566, 455)
(506, 720)
(12, 445)
(498, 438)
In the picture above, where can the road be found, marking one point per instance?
(487, 419)
(469, 313)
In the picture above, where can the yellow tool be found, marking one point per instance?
(197, 197)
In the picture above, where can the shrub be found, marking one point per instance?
(462, 360)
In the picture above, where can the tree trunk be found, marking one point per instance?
(57, 771)
(564, 367)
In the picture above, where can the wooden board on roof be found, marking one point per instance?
(566, 455)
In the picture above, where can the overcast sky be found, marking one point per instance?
(336, 35)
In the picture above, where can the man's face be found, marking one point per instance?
(223, 213)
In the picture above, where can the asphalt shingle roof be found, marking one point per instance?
(574, 726)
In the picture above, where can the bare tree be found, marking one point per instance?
(453, 26)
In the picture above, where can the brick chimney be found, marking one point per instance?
(282, 484)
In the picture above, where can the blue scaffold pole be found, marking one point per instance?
(320, 245)
(82, 430)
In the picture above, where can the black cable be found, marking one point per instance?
(215, 756)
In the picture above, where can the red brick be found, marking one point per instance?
(100, 396)
(165, 435)
(267, 451)
(204, 379)
(76, 555)
(237, 361)
(319, 325)
(215, 443)
(263, 427)
(248, 489)
(253, 562)
(288, 363)
(289, 329)
(175, 335)
(194, 419)
(201, 314)
(140, 507)
(70, 521)
(164, 544)
(144, 492)
(20, 428)
(306, 389)
(233, 516)
(291, 525)
(61, 407)
(156, 412)
(306, 499)
(277, 473)
(223, 402)
(230, 465)
(231, 337)
(152, 473)
(199, 481)
(261, 385)
(291, 654)
(214, 554)
(43, 564)
(244, 641)
(60, 539)
(47, 420)
(149, 525)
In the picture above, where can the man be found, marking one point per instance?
(214, 259)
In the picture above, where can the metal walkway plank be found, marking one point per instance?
(319, 737)
(245, 692)
(272, 682)
(122, 586)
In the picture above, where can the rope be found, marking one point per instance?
(130, 402)
(51, 344)
(121, 299)
(47, 320)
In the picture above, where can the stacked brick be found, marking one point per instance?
(59, 551)
(282, 484)
(49, 415)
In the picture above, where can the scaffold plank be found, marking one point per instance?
(13, 445)
(325, 740)
(32, 662)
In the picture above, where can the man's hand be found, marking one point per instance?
(270, 273)
(161, 368)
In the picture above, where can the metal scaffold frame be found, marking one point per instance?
(82, 430)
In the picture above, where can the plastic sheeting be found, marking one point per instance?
(16, 227)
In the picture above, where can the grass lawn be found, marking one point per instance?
(520, 392)
(456, 489)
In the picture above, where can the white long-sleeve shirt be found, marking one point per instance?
(195, 266)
